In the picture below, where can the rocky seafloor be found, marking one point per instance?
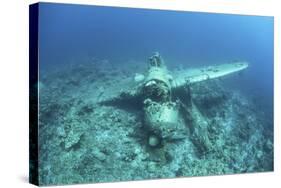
(82, 141)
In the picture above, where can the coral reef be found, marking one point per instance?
(83, 141)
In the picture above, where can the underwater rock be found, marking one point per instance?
(61, 132)
(152, 166)
(72, 139)
(99, 155)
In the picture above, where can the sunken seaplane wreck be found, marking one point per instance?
(169, 113)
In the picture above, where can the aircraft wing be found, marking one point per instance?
(194, 75)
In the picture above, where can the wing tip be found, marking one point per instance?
(242, 65)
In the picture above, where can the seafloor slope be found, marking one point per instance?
(82, 141)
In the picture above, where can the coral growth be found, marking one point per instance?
(82, 141)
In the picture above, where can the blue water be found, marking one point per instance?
(72, 33)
